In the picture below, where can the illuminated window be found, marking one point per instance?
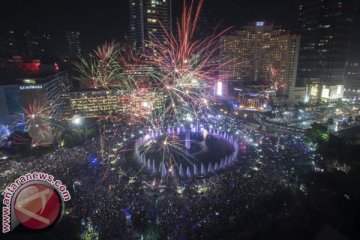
(151, 20)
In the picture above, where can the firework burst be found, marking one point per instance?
(39, 122)
(176, 72)
(169, 83)
(277, 81)
(110, 66)
(186, 69)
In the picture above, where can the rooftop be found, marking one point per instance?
(27, 73)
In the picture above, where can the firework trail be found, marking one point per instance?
(39, 121)
(167, 84)
(277, 81)
(185, 69)
(100, 67)
(111, 67)
(185, 73)
(114, 68)
(176, 71)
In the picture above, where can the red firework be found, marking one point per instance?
(186, 69)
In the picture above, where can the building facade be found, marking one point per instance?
(73, 44)
(326, 34)
(10, 104)
(43, 106)
(34, 102)
(91, 103)
(30, 44)
(260, 54)
(352, 81)
(95, 103)
(148, 18)
(36, 44)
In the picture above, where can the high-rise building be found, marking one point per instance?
(326, 34)
(73, 44)
(147, 20)
(260, 54)
(32, 99)
(10, 105)
(352, 80)
(36, 44)
(30, 44)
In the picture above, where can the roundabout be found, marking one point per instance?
(186, 152)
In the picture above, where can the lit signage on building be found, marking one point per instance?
(314, 90)
(29, 81)
(259, 24)
(338, 89)
(29, 87)
(325, 93)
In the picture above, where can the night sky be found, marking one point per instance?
(101, 20)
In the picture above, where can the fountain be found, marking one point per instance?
(187, 139)
(196, 142)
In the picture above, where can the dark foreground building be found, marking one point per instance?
(326, 35)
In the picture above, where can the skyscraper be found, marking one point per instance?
(37, 44)
(147, 19)
(326, 35)
(260, 54)
(30, 44)
(73, 44)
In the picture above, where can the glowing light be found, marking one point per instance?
(188, 118)
(338, 90)
(38, 124)
(219, 88)
(94, 160)
(127, 213)
(76, 120)
(205, 134)
(146, 104)
(325, 93)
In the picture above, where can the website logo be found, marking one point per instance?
(35, 201)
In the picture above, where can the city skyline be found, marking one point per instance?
(100, 21)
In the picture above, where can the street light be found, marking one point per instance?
(76, 120)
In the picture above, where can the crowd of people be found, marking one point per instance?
(113, 198)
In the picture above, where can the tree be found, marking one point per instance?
(357, 118)
(154, 232)
(317, 134)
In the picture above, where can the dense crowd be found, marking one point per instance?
(114, 199)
